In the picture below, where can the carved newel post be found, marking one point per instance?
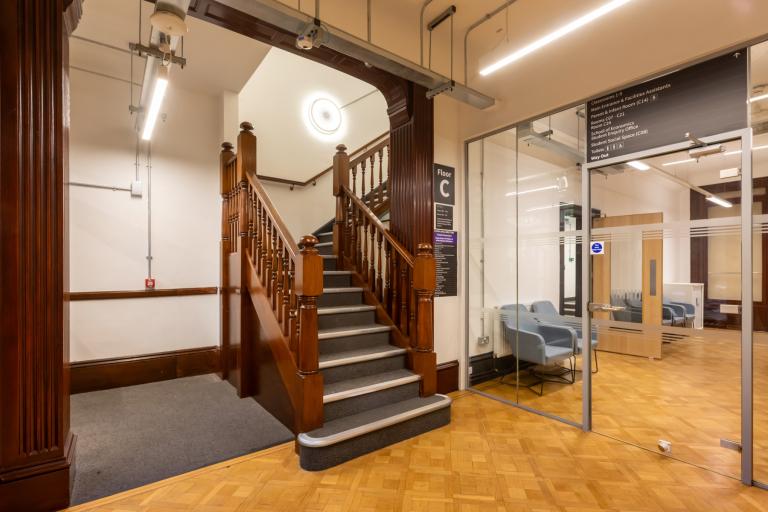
(340, 179)
(424, 359)
(309, 288)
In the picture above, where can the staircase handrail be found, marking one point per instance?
(376, 142)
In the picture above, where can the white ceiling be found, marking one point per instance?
(217, 59)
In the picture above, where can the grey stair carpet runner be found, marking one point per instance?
(371, 399)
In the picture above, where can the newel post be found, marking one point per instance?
(340, 178)
(310, 288)
(423, 357)
(225, 160)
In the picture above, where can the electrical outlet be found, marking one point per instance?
(470, 370)
(483, 340)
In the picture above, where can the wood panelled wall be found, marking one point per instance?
(36, 445)
(410, 114)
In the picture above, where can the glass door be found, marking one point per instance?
(670, 340)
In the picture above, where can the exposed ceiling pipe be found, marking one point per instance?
(473, 27)
(152, 64)
(295, 22)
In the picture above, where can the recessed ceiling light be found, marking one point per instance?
(323, 117)
(554, 36)
(640, 166)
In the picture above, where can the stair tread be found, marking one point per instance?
(333, 310)
(352, 330)
(337, 272)
(369, 380)
(358, 355)
(323, 244)
(348, 427)
(324, 233)
(342, 289)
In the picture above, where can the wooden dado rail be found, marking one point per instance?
(277, 282)
(402, 284)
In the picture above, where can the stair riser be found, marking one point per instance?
(356, 370)
(325, 249)
(336, 345)
(340, 299)
(337, 280)
(329, 264)
(316, 459)
(325, 238)
(346, 319)
(354, 405)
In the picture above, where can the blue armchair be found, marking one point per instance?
(546, 313)
(539, 344)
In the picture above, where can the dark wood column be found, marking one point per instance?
(36, 446)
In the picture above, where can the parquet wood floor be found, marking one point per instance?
(691, 397)
(492, 457)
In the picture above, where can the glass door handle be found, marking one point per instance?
(604, 307)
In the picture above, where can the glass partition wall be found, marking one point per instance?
(669, 369)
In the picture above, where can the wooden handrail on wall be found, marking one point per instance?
(403, 284)
(313, 180)
(278, 283)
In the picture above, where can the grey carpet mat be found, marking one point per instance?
(132, 436)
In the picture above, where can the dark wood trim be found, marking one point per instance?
(325, 171)
(448, 377)
(142, 294)
(118, 372)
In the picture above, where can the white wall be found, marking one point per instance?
(274, 100)
(108, 230)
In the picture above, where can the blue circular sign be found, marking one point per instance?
(597, 247)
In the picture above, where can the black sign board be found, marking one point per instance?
(443, 216)
(444, 185)
(445, 262)
(705, 99)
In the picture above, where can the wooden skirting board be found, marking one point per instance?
(128, 371)
(448, 377)
(141, 294)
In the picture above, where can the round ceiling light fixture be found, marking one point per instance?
(325, 116)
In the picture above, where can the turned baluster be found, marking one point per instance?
(273, 265)
(340, 180)
(424, 359)
(277, 298)
(387, 293)
(370, 201)
(395, 301)
(381, 177)
(362, 179)
(354, 180)
(404, 295)
(257, 235)
(267, 281)
(372, 259)
(225, 158)
(379, 291)
(353, 233)
(286, 304)
(293, 311)
(364, 262)
(265, 245)
(360, 237)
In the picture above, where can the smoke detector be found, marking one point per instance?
(169, 23)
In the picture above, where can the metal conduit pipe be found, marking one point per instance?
(473, 27)
(421, 31)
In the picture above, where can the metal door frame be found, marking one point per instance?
(745, 136)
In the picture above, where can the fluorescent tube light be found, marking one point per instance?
(720, 202)
(678, 162)
(758, 98)
(158, 93)
(539, 208)
(554, 36)
(640, 166)
(523, 192)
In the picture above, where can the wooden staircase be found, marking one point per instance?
(332, 334)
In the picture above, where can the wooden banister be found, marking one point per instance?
(402, 284)
(313, 180)
(278, 283)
